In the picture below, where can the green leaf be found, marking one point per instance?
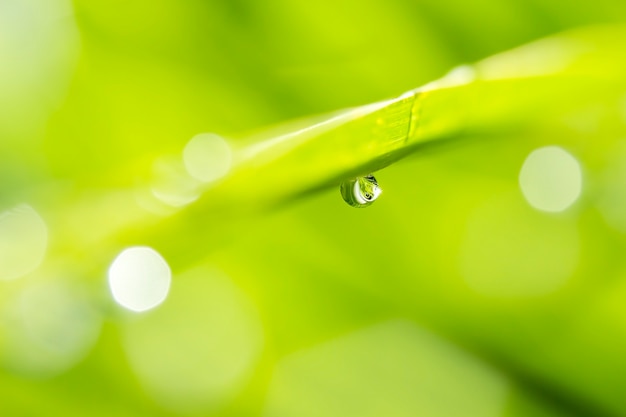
(505, 94)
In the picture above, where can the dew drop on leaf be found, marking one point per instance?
(361, 191)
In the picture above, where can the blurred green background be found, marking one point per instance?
(451, 296)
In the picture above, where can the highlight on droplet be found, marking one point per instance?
(139, 278)
(23, 241)
(551, 179)
(207, 157)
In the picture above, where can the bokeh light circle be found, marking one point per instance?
(207, 157)
(47, 328)
(197, 351)
(551, 179)
(23, 241)
(139, 278)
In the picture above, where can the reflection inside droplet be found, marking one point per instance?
(23, 241)
(139, 278)
(551, 179)
(207, 157)
(360, 191)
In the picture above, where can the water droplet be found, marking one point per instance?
(360, 191)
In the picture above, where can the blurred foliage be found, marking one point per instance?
(450, 296)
